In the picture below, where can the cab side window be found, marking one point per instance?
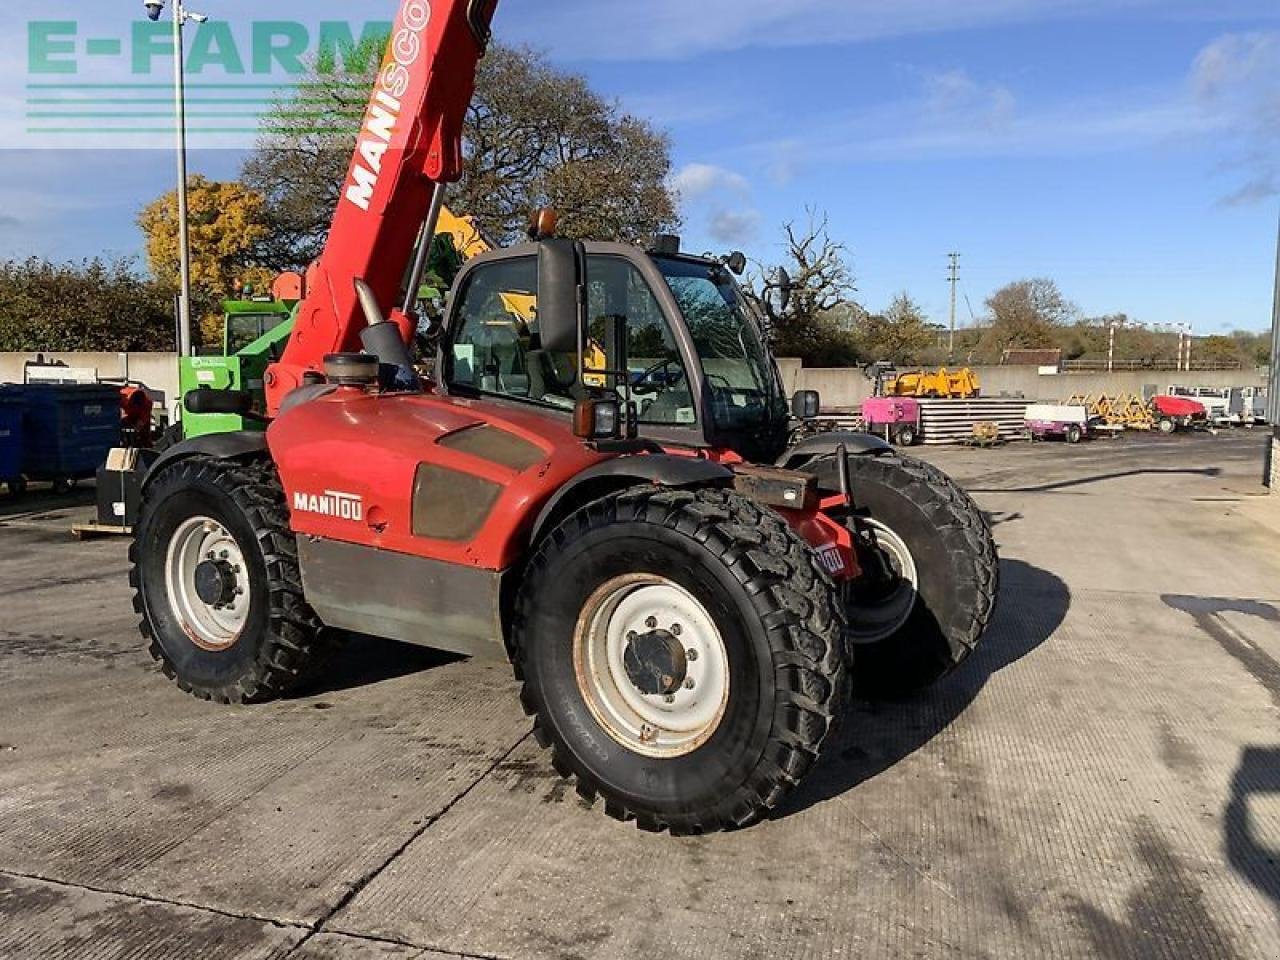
(495, 347)
(659, 381)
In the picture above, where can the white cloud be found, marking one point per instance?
(953, 92)
(696, 180)
(719, 199)
(1236, 80)
(734, 227)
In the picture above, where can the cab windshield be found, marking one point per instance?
(729, 339)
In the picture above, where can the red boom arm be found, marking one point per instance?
(410, 141)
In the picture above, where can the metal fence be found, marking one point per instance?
(1101, 366)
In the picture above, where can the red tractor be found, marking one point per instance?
(577, 492)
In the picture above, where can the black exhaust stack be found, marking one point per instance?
(382, 339)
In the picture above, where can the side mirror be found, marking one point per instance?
(559, 282)
(806, 404)
(737, 263)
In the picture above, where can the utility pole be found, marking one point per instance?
(181, 15)
(954, 280)
(1273, 393)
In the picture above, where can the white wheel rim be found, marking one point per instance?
(871, 624)
(652, 724)
(211, 626)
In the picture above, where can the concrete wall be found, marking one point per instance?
(847, 388)
(840, 388)
(159, 371)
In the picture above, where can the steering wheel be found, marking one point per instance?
(646, 383)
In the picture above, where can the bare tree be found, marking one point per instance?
(820, 282)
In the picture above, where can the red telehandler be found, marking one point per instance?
(576, 490)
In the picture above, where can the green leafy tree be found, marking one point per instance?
(95, 305)
(534, 136)
(901, 334)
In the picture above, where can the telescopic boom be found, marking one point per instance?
(410, 144)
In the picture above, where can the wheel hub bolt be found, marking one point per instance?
(688, 683)
(652, 623)
(647, 733)
(691, 655)
(676, 629)
(670, 698)
(632, 637)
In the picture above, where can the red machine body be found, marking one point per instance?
(411, 140)
(372, 450)
(354, 464)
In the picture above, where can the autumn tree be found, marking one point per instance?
(1026, 314)
(95, 305)
(816, 325)
(1220, 351)
(227, 222)
(901, 334)
(534, 136)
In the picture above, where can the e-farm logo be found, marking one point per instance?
(99, 78)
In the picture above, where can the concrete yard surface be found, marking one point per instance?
(1101, 779)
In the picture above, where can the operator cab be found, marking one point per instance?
(670, 336)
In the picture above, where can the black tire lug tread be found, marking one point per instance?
(799, 608)
(298, 643)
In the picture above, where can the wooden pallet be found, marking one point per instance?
(92, 531)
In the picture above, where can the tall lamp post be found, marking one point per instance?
(180, 17)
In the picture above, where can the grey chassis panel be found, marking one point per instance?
(220, 446)
(826, 444)
(660, 469)
(428, 603)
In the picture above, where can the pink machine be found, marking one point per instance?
(897, 419)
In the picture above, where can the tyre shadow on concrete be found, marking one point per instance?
(363, 660)
(1258, 774)
(875, 736)
(1209, 472)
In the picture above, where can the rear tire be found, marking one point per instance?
(1167, 426)
(267, 647)
(925, 619)
(770, 619)
(1074, 434)
(906, 436)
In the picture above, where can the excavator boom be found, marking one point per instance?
(410, 142)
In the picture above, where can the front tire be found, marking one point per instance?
(906, 436)
(932, 573)
(1074, 434)
(681, 655)
(217, 583)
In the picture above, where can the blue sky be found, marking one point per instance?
(1129, 149)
